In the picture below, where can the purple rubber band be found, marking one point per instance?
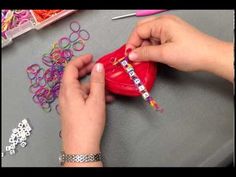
(60, 42)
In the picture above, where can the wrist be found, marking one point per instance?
(81, 146)
(81, 149)
(76, 140)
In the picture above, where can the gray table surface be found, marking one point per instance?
(196, 128)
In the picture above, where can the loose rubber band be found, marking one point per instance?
(75, 26)
(64, 42)
(46, 59)
(78, 48)
(84, 34)
(74, 36)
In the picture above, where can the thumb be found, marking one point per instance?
(147, 53)
(97, 85)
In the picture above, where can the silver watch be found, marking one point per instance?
(79, 158)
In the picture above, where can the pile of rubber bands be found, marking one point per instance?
(45, 83)
(13, 18)
(42, 15)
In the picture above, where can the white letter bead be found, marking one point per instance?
(11, 140)
(23, 144)
(3, 154)
(27, 133)
(15, 130)
(8, 148)
(20, 125)
(141, 88)
(145, 95)
(131, 73)
(12, 152)
(137, 81)
(23, 134)
(12, 146)
(24, 121)
(124, 63)
(22, 139)
(18, 134)
(20, 129)
(13, 135)
(27, 125)
(28, 129)
(15, 143)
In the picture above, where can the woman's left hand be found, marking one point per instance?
(82, 108)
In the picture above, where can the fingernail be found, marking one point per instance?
(133, 56)
(99, 67)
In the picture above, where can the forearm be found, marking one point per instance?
(221, 61)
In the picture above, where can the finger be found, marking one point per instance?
(130, 46)
(85, 87)
(146, 43)
(149, 53)
(86, 70)
(108, 96)
(148, 19)
(97, 84)
(71, 73)
(143, 32)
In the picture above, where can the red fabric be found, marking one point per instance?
(118, 81)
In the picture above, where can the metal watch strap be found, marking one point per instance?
(79, 158)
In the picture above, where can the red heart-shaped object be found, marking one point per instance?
(119, 82)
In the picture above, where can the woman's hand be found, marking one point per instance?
(170, 40)
(82, 108)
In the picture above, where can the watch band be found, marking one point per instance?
(79, 157)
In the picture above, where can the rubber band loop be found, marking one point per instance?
(56, 55)
(33, 86)
(47, 75)
(37, 99)
(33, 68)
(42, 84)
(75, 47)
(46, 59)
(67, 53)
(40, 73)
(64, 43)
(75, 26)
(74, 36)
(23, 21)
(47, 109)
(31, 76)
(84, 34)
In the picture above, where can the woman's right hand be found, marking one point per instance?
(170, 40)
